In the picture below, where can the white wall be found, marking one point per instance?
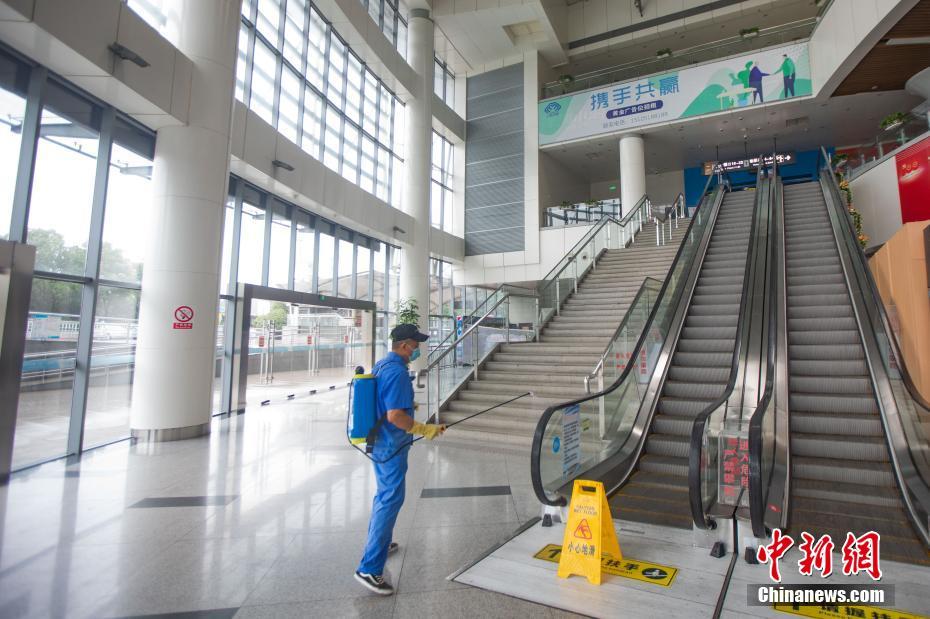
(875, 195)
(845, 34)
(558, 183)
(661, 188)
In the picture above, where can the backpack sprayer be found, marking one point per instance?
(363, 423)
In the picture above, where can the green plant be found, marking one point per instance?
(893, 120)
(838, 160)
(565, 80)
(566, 204)
(408, 311)
(592, 202)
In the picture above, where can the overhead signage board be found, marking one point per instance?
(747, 163)
(742, 81)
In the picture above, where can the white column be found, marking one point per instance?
(174, 357)
(414, 268)
(632, 171)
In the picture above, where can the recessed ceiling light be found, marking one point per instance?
(875, 87)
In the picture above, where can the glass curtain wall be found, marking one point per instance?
(391, 17)
(273, 243)
(444, 82)
(82, 202)
(442, 214)
(297, 73)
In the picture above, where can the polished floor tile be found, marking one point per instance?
(265, 517)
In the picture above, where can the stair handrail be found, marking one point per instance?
(535, 469)
(551, 276)
(486, 316)
(475, 311)
(697, 458)
(912, 474)
(649, 281)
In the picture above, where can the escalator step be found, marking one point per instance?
(693, 390)
(827, 423)
(813, 311)
(821, 324)
(668, 445)
(664, 466)
(709, 333)
(696, 345)
(831, 300)
(845, 471)
(672, 425)
(823, 338)
(847, 385)
(703, 359)
(830, 492)
(832, 403)
(838, 352)
(681, 407)
(712, 321)
(829, 367)
(865, 448)
(699, 374)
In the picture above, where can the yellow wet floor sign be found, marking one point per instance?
(844, 611)
(627, 568)
(589, 533)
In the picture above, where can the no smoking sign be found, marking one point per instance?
(184, 315)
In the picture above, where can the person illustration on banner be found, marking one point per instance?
(743, 77)
(755, 82)
(788, 72)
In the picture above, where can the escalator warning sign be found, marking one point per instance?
(844, 611)
(642, 571)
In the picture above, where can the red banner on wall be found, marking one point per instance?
(913, 168)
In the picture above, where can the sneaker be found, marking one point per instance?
(393, 547)
(374, 583)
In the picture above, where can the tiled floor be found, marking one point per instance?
(282, 538)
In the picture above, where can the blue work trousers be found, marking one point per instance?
(385, 507)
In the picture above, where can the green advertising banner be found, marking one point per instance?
(753, 79)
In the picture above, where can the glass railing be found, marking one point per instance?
(564, 444)
(608, 233)
(581, 213)
(454, 331)
(680, 58)
(619, 352)
(853, 161)
(904, 413)
(461, 359)
(720, 432)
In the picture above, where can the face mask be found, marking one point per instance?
(415, 355)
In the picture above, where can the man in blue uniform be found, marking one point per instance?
(395, 406)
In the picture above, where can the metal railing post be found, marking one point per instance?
(601, 417)
(558, 297)
(507, 319)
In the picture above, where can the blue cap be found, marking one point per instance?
(408, 332)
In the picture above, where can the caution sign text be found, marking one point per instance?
(642, 571)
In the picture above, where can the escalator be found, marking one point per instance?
(842, 473)
(684, 364)
(657, 492)
(832, 457)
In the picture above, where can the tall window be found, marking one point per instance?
(89, 195)
(441, 205)
(444, 82)
(297, 73)
(390, 17)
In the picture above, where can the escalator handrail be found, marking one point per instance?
(756, 483)
(892, 422)
(535, 473)
(699, 426)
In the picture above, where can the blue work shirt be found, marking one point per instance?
(395, 391)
